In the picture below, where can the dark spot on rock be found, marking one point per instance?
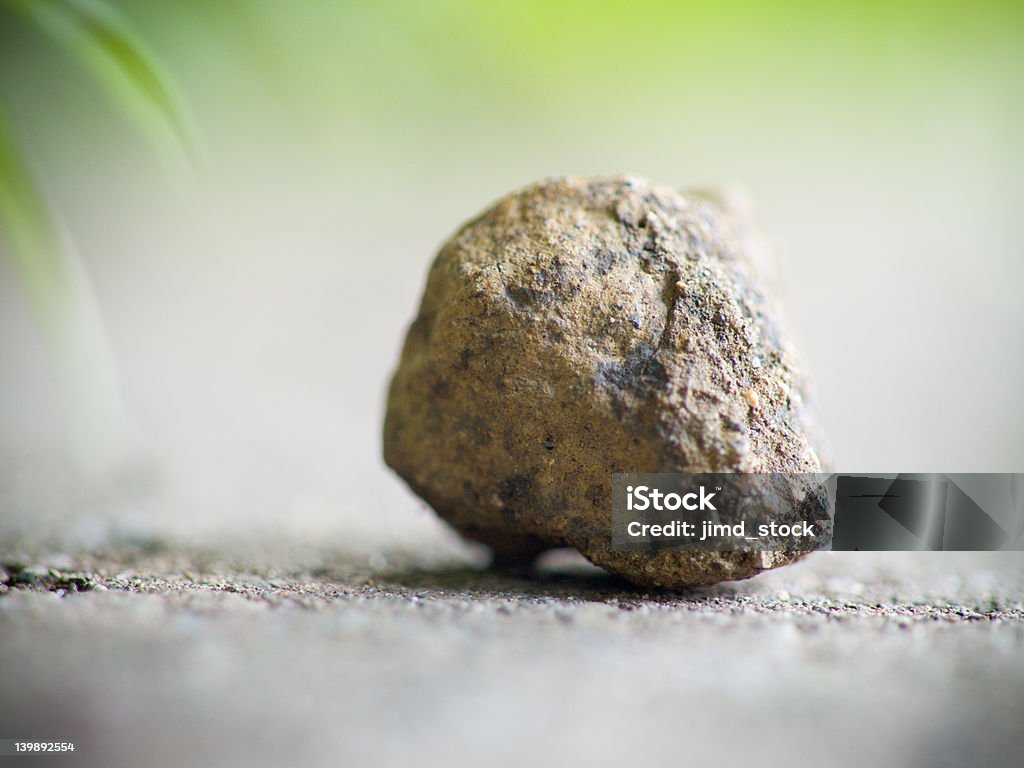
(639, 372)
(440, 387)
(479, 430)
(470, 492)
(706, 397)
(730, 423)
(464, 357)
(603, 260)
(549, 443)
(581, 531)
(515, 489)
(526, 297)
(515, 492)
(555, 334)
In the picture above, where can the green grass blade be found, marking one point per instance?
(93, 32)
(30, 230)
(47, 262)
(62, 298)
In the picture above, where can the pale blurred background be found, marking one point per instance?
(256, 305)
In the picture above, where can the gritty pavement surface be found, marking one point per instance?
(164, 654)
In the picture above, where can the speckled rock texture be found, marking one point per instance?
(582, 327)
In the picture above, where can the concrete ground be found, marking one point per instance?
(276, 652)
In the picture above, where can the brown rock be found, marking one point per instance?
(582, 327)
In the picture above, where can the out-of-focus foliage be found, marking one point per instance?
(97, 41)
(93, 33)
(28, 227)
(95, 37)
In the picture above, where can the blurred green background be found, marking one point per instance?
(255, 299)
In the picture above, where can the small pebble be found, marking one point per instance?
(752, 398)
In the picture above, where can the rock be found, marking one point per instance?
(582, 327)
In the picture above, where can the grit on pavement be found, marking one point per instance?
(165, 652)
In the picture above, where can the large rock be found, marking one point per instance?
(582, 327)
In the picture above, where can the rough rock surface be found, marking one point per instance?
(582, 327)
